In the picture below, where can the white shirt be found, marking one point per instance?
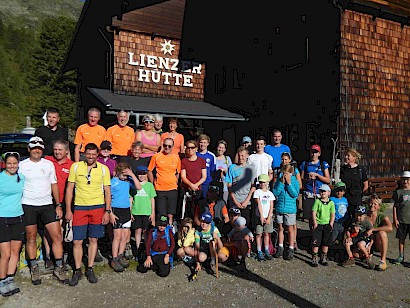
(265, 197)
(261, 162)
(39, 177)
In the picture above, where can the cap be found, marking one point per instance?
(240, 221)
(148, 117)
(339, 186)
(234, 210)
(263, 178)
(141, 169)
(361, 209)
(246, 139)
(36, 142)
(162, 221)
(405, 174)
(316, 147)
(206, 217)
(325, 187)
(105, 145)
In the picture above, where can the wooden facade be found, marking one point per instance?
(375, 95)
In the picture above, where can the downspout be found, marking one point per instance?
(110, 59)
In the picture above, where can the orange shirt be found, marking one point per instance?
(87, 134)
(167, 166)
(211, 210)
(121, 139)
(178, 141)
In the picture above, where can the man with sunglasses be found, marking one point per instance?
(168, 168)
(39, 190)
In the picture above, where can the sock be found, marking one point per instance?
(291, 247)
(281, 245)
(266, 248)
(259, 248)
(401, 254)
(33, 262)
(59, 262)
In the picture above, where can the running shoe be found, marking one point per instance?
(5, 289)
(260, 256)
(268, 256)
(398, 260)
(12, 285)
(382, 266)
(279, 252)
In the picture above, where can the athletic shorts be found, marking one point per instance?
(141, 222)
(322, 235)
(124, 218)
(87, 222)
(266, 228)
(35, 215)
(402, 231)
(286, 219)
(11, 229)
(166, 201)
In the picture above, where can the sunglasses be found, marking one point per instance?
(167, 145)
(204, 222)
(149, 121)
(88, 177)
(37, 142)
(260, 182)
(190, 148)
(15, 154)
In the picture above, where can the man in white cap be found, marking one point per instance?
(39, 190)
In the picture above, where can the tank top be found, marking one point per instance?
(147, 141)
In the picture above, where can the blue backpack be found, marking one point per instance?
(167, 235)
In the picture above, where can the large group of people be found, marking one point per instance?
(182, 201)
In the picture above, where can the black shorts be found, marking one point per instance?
(39, 215)
(358, 239)
(11, 229)
(322, 235)
(141, 221)
(403, 231)
(124, 218)
(166, 202)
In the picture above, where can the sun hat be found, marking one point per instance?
(36, 142)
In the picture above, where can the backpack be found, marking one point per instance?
(168, 240)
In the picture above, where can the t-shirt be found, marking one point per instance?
(265, 198)
(401, 199)
(379, 220)
(206, 237)
(141, 204)
(193, 169)
(210, 161)
(89, 186)
(120, 193)
(39, 177)
(323, 211)
(121, 139)
(178, 141)
(89, 134)
(134, 163)
(241, 179)
(11, 192)
(167, 166)
(262, 163)
(353, 178)
(312, 186)
(276, 153)
(110, 163)
(341, 213)
(48, 135)
(62, 171)
(223, 163)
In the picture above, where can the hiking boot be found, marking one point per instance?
(12, 285)
(76, 278)
(61, 273)
(370, 263)
(288, 254)
(91, 276)
(315, 261)
(323, 260)
(116, 265)
(35, 275)
(279, 252)
(268, 256)
(48, 264)
(382, 266)
(123, 261)
(349, 262)
(128, 252)
(98, 256)
(5, 289)
(399, 260)
(260, 256)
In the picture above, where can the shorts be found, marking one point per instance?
(11, 229)
(357, 239)
(322, 235)
(402, 231)
(166, 201)
(124, 218)
(266, 228)
(87, 222)
(33, 215)
(141, 222)
(286, 219)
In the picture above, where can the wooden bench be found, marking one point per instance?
(383, 187)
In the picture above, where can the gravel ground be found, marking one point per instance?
(278, 282)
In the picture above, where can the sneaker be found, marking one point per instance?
(12, 285)
(370, 263)
(288, 254)
(260, 256)
(123, 261)
(128, 252)
(76, 278)
(5, 288)
(315, 261)
(35, 275)
(349, 262)
(268, 256)
(61, 273)
(399, 260)
(98, 256)
(279, 252)
(382, 266)
(90, 275)
(49, 264)
(116, 265)
(323, 260)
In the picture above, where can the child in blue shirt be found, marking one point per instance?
(341, 214)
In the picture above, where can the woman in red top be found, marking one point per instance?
(150, 139)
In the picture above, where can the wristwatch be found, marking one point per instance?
(58, 205)
(108, 211)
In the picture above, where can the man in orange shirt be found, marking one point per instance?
(121, 136)
(168, 167)
(89, 132)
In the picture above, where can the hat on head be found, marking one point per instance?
(162, 220)
(36, 142)
(234, 210)
(361, 209)
(241, 221)
(325, 187)
(206, 217)
(141, 169)
(339, 186)
(316, 147)
(246, 139)
(263, 178)
(105, 145)
(148, 117)
(405, 174)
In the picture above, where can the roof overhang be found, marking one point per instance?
(165, 106)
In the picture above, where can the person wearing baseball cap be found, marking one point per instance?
(104, 156)
(246, 142)
(341, 214)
